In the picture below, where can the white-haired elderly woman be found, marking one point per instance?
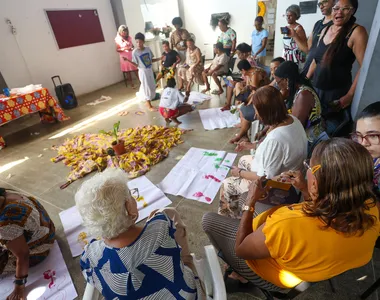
(296, 35)
(132, 262)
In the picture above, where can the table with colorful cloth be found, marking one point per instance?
(41, 101)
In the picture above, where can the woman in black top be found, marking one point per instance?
(339, 46)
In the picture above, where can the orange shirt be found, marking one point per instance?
(301, 250)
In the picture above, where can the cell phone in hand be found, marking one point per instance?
(284, 30)
(277, 185)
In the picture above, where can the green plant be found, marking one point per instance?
(114, 132)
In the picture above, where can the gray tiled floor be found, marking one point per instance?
(42, 178)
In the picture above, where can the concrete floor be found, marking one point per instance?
(41, 178)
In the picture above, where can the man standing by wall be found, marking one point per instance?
(326, 9)
(259, 41)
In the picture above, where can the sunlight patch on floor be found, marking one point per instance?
(12, 164)
(91, 121)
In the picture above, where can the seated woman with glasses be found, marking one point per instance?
(332, 231)
(368, 135)
(148, 262)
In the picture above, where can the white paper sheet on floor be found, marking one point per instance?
(72, 221)
(197, 98)
(59, 287)
(214, 118)
(198, 175)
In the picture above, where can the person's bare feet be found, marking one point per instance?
(205, 91)
(217, 92)
(175, 120)
(226, 107)
(150, 107)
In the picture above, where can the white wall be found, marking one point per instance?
(368, 88)
(307, 21)
(197, 15)
(133, 17)
(87, 68)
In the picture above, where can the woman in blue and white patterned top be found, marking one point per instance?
(132, 262)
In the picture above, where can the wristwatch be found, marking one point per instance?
(248, 208)
(20, 281)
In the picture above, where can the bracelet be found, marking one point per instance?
(20, 281)
(240, 170)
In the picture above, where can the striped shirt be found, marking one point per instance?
(149, 268)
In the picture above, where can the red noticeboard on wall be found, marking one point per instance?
(73, 28)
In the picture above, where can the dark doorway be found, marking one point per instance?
(3, 84)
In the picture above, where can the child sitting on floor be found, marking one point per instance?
(173, 103)
(169, 60)
(142, 58)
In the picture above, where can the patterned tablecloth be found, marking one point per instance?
(38, 101)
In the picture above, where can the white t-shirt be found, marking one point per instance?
(284, 149)
(221, 59)
(171, 98)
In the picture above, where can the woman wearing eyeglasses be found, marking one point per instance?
(339, 46)
(332, 231)
(148, 262)
(368, 135)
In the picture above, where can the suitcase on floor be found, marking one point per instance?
(65, 94)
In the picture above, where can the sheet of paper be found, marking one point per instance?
(48, 280)
(197, 98)
(214, 118)
(198, 175)
(151, 198)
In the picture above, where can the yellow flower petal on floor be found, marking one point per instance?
(145, 147)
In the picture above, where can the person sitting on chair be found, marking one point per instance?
(277, 153)
(254, 78)
(173, 103)
(218, 67)
(169, 60)
(332, 231)
(129, 261)
(244, 52)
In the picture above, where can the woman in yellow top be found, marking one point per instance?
(333, 231)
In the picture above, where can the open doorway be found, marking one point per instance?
(267, 9)
(3, 84)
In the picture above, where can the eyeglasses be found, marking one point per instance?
(323, 3)
(345, 9)
(314, 169)
(372, 138)
(135, 194)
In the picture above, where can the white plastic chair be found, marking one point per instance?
(209, 273)
(91, 293)
(255, 128)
